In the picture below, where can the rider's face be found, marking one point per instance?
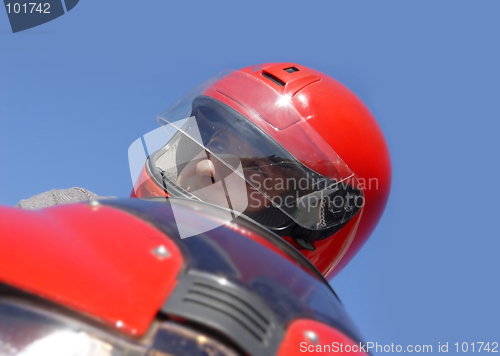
(204, 170)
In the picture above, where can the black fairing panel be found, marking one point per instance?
(236, 285)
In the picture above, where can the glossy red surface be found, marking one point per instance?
(95, 260)
(335, 118)
(145, 186)
(326, 340)
(349, 128)
(328, 117)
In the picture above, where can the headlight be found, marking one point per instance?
(27, 330)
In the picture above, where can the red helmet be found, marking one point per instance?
(286, 145)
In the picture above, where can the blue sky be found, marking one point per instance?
(77, 91)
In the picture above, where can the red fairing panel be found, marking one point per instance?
(146, 186)
(94, 259)
(309, 336)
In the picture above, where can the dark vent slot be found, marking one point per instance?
(234, 298)
(291, 69)
(207, 304)
(233, 307)
(273, 79)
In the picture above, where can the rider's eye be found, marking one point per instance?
(217, 147)
(258, 168)
(254, 167)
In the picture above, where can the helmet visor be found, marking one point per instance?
(224, 153)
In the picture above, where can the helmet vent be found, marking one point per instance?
(291, 69)
(273, 78)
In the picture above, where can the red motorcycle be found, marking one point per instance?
(112, 277)
(246, 206)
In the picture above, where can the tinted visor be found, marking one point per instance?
(218, 155)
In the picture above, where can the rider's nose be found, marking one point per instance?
(205, 168)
